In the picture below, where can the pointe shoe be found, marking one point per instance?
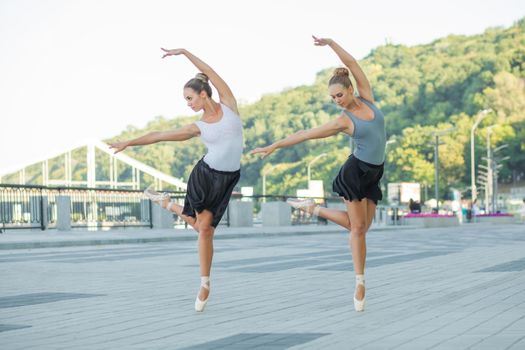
(154, 195)
(359, 305)
(201, 304)
(305, 205)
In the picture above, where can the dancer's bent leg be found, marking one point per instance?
(339, 217)
(177, 209)
(165, 202)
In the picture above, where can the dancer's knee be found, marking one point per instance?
(359, 228)
(206, 231)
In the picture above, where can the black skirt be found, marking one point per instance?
(357, 180)
(209, 189)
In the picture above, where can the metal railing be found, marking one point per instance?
(36, 207)
(30, 207)
(384, 214)
(21, 206)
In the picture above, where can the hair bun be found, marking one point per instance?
(341, 72)
(202, 77)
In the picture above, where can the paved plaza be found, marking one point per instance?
(442, 288)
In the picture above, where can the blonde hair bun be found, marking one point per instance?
(202, 77)
(341, 72)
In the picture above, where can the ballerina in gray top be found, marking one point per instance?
(358, 179)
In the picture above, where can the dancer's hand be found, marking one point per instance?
(321, 41)
(119, 146)
(265, 151)
(173, 52)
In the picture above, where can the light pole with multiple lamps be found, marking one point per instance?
(436, 135)
(473, 188)
(490, 175)
(496, 167)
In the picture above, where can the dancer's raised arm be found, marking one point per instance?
(363, 85)
(225, 94)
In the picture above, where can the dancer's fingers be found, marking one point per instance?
(116, 147)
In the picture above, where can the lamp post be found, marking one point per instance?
(384, 179)
(436, 136)
(264, 180)
(496, 166)
(490, 174)
(310, 164)
(480, 117)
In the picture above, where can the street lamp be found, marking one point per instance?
(264, 179)
(490, 175)
(496, 166)
(310, 164)
(480, 117)
(436, 135)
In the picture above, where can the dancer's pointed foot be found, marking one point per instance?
(306, 205)
(202, 297)
(359, 294)
(160, 198)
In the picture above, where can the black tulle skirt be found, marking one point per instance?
(357, 180)
(209, 189)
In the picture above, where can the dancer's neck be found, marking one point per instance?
(211, 109)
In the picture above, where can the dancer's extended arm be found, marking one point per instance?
(181, 134)
(331, 128)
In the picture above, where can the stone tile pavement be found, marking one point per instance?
(443, 288)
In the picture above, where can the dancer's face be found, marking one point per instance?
(340, 94)
(194, 100)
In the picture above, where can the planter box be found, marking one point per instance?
(495, 219)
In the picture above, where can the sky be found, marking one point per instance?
(73, 70)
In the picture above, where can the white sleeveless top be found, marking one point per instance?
(223, 140)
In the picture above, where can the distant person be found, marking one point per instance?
(213, 178)
(414, 207)
(521, 212)
(358, 178)
(475, 208)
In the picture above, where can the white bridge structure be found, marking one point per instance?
(160, 179)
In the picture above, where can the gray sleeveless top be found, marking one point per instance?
(369, 136)
(224, 141)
